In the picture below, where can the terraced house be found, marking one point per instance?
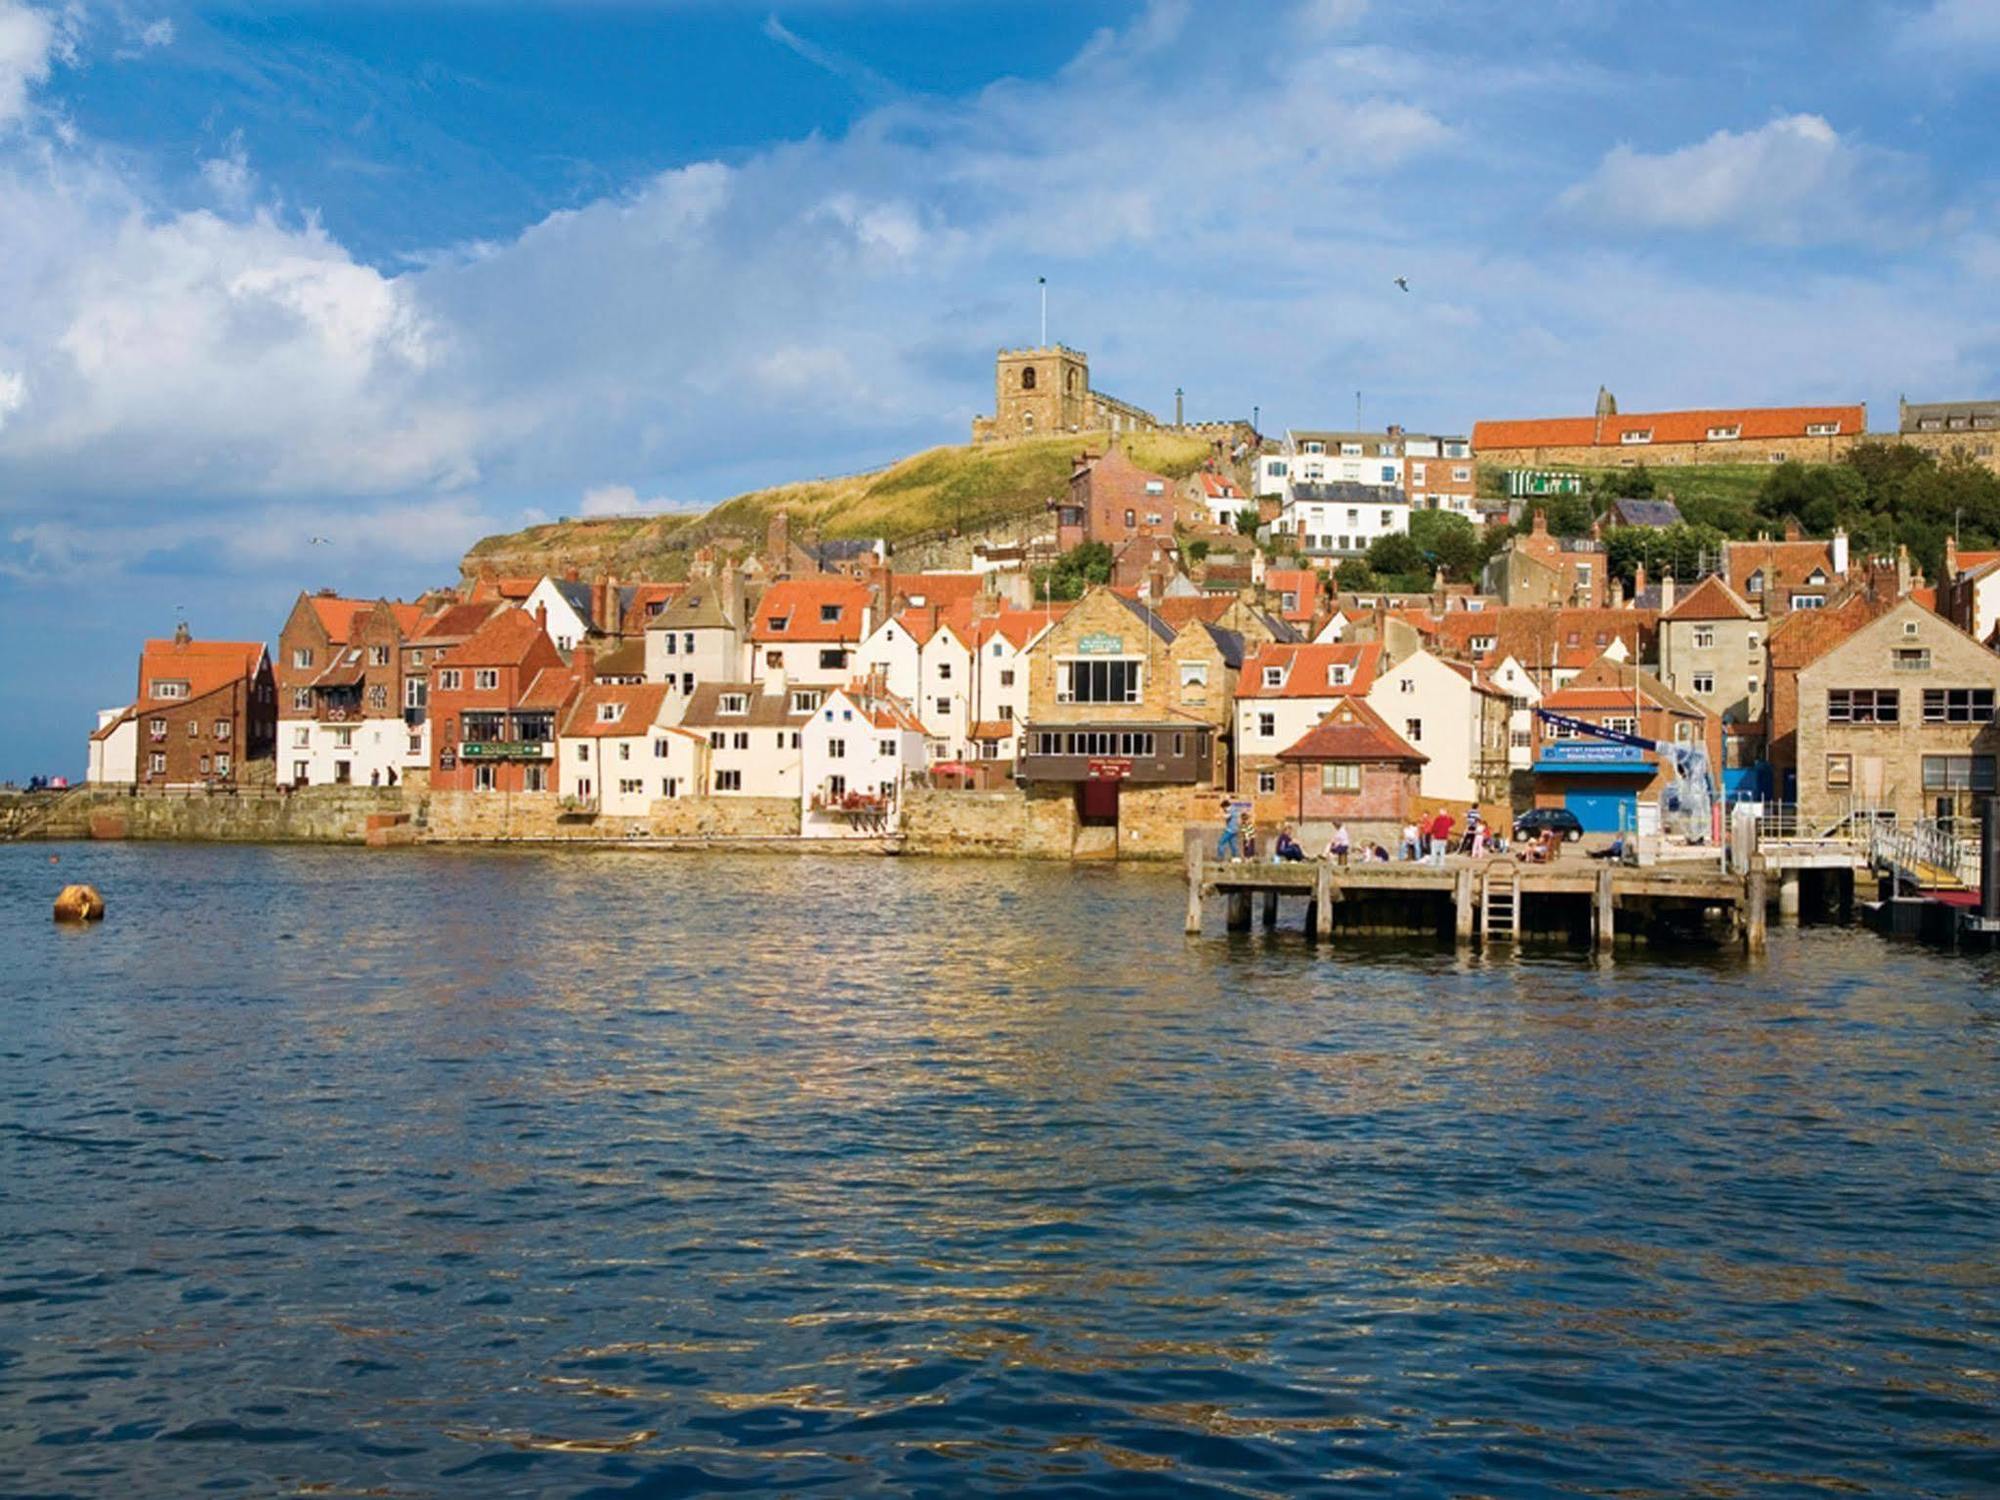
(204, 710)
(495, 704)
(341, 692)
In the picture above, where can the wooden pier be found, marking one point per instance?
(1491, 900)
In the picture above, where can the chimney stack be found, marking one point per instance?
(1666, 591)
(182, 635)
(1638, 583)
(1840, 553)
(1792, 532)
(583, 665)
(542, 617)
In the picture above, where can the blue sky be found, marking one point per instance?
(401, 274)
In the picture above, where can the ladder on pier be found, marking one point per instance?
(1500, 903)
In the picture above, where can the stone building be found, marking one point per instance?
(1610, 439)
(1778, 577)
(1044, 392)
(1124, 718)
(1539, 570)
(1947, 427)
(1712, 653)
(1897, 718)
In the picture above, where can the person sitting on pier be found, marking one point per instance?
(1543, 849)
(1377, 854)
(1288, 850)
(1340, 845)
(1615, 850)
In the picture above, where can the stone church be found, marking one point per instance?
(1041, 392)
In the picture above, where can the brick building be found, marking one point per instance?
(341, 696)
(204, 709)
(496, 703)
(1351, 768)
(1111, 499)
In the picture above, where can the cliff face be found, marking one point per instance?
(925, 497)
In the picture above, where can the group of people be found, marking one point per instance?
(1424, 838)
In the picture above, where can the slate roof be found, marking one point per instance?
(1633, 512)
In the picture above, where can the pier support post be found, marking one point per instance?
(1788, 898)
(1194, 861)
(1239, 911)
(1323, 902)
(1753, 910)
(1270, 908)
(1461, 893)
(1606, 912)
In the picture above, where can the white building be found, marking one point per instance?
(1286, 690)
(619, 751)
(1519, 684)
(114, 748)
(807, 630)
(858, 750)
(1343, 519)
(752, 731)
(327, 751)
(568, 602)
(1436, 707)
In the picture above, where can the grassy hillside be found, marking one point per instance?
(941, 490)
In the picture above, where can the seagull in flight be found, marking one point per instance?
(1403, 282)
(319, 541)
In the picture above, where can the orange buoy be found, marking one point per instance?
(79, 903)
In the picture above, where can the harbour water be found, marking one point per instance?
(493, 1174)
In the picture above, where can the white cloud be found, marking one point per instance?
(158, 33)
(622, 500)
(1796, 180)
(1962, 29)
(228, 177)
(31, 39)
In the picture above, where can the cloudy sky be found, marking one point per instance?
(397, 274)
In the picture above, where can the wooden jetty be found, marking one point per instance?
(1494, 899)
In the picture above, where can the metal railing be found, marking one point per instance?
(1925, 853)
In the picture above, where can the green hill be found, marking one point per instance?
(929, 494)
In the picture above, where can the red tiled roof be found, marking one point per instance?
(336, 616)
(992, 729)
(1540, 638)
(551, 689)
(1304, 583)
(1785, 565)
(638, 704)
(1217, 487)
(882, 710)
(790, 611)
(1712, 599)
(1754, 423)
(1353, 732)
(1306, 668)
(408, 616)
(937, 588)
(455, 621)
(1805, 635)
(203, 665)
(1018, 626)
(503, 641)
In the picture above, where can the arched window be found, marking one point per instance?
(1028, 420)
(1071, 382)
(1028, 378)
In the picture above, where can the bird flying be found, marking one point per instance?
(1403, 282)
(319, 541)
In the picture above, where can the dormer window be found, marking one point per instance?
(607, 713)
(1636, 435)
(734, 703)
(1315, 447)
(1154, 487)
(1482, 644)
(1724, 434)
(1336, 675)
(1822, 429)
(805, 703)
(170, 688)
(1816, 578)
(779, 622)
(829, 614)
(1274, 677)
(1755, 582)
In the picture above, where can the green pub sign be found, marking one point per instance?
(1101, 643)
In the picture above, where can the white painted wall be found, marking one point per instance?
(114, 760)
(1444, 704)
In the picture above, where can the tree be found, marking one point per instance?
(1197, 549)
(1568, 515)
(1247, 521)
(1684, 550)
(1450, 542)
(1354, 573)
(1076, 571)
(1398, 553)
(1819, 496)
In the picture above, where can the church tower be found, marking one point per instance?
(1038, 392)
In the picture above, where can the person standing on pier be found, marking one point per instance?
(1338, 847)
(1440, 836)
(1231, 846)
(1413, 848)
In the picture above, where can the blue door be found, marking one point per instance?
(1599, 812)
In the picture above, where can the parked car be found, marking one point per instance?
(1561, 820)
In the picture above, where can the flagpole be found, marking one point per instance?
(1043, 283)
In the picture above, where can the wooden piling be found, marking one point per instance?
(1239, 911)
(1270, 908)
(1461, 893)
(1323, 901)
(1753, 915)
(1606, 910)
(1194, 863)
